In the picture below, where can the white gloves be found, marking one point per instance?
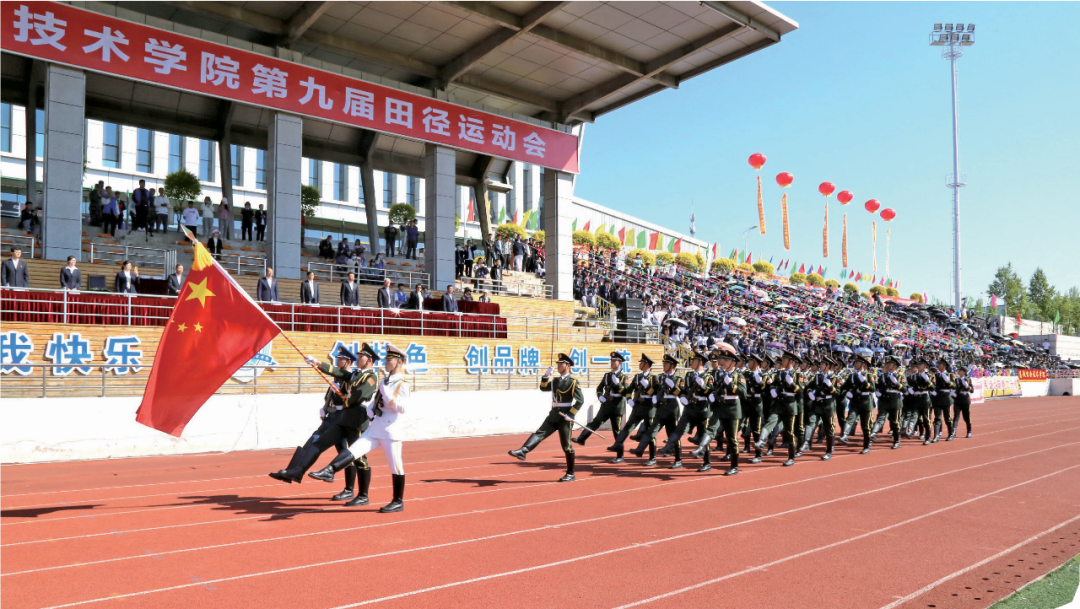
(602, 399)
(712, 398)
(727, 379)
(877, 394)
(923, 376)
(548, 372)
(568, 417)
(630, 403)
(772, 392)
(933, 393)
(757, 377)
(953, 393)
(371, 413)
(861, 377)
(684, 401)
(700, 381)
(812, 394)
(644, 382)
(910, 391)
(669, 382)
(848, 395)
(311, 360)
(322, 413)
(828, 382)
(654, 399)
(787, 378)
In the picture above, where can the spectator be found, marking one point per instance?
(214, 244)
(343, 248)
(246, 217)
(142, 199)
(359, 247)
(449, 303)
(412, 236)
(127, 280)
(260, 223)
(326, 248)
(518, 250)
(459, 261)
(70, 276)
(207, 216)
(484, 297)
(468, 295)
(175, 282)
(309, 289)
(416, 299)
(384, 299)
(15, 273)
(191, 218)
(162, 208)
(267, 289)
(110, 213)
(225, 219)
(541, 268)
(496, 277)
(390, 233)
(350, 291)
(469, 256)
(378, 266)
(401, 298)
(122, 206)
(97, 194)
(29, 220)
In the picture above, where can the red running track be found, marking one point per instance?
(954, 524)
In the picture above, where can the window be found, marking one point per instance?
(177, 152)
(412, 192)
(5, 127)
(314, 175)
(341, 182)
(260, 169)
(206, 160)
(144, 151)
(39, 127)
(540, 204)
(236, 153)
(526, 188)
(387, 189)
(110, 146)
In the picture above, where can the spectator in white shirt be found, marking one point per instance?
(207, 216)
(191, 218)
(162, 209)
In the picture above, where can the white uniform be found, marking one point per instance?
(387, 429)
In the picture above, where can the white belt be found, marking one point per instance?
(756, 395)
(790, 395)
(670, 397)
(336, 407)
(892, 391)
(920, 393)
(615, 395)
(963, 392)
(561, 404)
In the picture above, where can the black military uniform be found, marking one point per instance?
(753, 406)
(785, 391)
(696, 389)
(891, 388)
(859, 388)
(821, 395)
(962, 403)
(729, 389)
(941, 397)
(566, 399)
(667, 390)
(345, 418)
(612, 403)
(642, 404)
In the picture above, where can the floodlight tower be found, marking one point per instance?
(952, 40)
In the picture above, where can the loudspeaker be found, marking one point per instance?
(628, 303)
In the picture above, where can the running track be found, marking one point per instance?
(958, 524)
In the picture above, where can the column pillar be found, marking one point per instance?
(30, 124)
(439, 170)
(65, 104)
(225, 159)
(283, 158)
(368, 141)
(559, 247)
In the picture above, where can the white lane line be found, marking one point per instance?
(523, 487)
(573, 523)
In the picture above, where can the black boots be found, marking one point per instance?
(669, 447)
(706, 464)
(530, 444)
(678, 457)
(302, 460)
(703, 448)
(361, 492)
(326, 474)
(280, 474)
(350, 479)
(398, 503)
(790, 455)
(585, 433)
(569, 477)
(734, 452)
(828, 448)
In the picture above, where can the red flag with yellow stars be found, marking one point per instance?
(214, 329)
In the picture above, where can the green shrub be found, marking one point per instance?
(877, 289)
(745, 267)
(310, 199)
(607, 241)
(916, 296)
(688, 261)
(700, 261)
(851, 288)
(764, 267)
(540, 236)
(582, 237)
(665, 258)
(510, 230)
(401, 213)
(723, 265)
(832, 283)
(815, 280)
(647, 257)
(891, 292)
(797, 278)
(182, 185)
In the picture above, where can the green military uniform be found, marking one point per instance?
(962, 403)
(861, 386)
(612, 402)
(821, 392)
(891, 387)
(941, 397)
(566, 399)
(771, 411)
(919, 386)
(695, 391)
(666, 390)
(753, 406)
(729, 389)
(785, 391)
(910, 413)
(642, 404)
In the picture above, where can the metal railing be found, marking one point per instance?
(331, 271)
(139, 256)
(240, 264)
(508, 287)
(116, 380)
(7, 240)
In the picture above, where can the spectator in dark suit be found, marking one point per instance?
(70, 276)
(142, 200)
(385, 298)
(175, 282)
(214, 244)
(350, 291)
(267, 288)
(416, 299)
(391, 234)
(449, 304)
(412, 236)
(309, 289)
(127, 280)
(15, 273)
(496, 276)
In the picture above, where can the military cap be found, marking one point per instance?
(392, 351)
(791, 356)
(645, 358)
(698, 355)
(859, 358)
(948, 366)
(753, 357)
(891, 359)
(726, 355)
(714, 356)
(365, 349)
(345, 353)
(668, 359)
(565, 359)
(615, 355)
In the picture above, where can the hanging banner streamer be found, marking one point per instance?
(825, 233)
(873, 231)
(787, 234)
(760, 208)
(843, 245)
(888, 234)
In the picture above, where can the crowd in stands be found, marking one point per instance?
(761, 316)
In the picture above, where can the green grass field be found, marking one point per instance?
(1055, 590)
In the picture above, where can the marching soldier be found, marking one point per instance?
(668, 389)
(821, 391)
(729, 388)
(642, 408)
(345, 419)
(566, 399)
(942, 400)
(785, 394)
(753, 406)
(612, 402)
(919, 387)
(699, 430)
(774, 411)
(962, 403)
(697, 390)
(891, 388)
(858, 389)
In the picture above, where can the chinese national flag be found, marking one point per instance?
(214, 329)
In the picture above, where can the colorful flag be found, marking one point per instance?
(502, 215)
(843, 273)
(573, 227)
(732, 254)
(760, 208)
(825, 232)
(770, 259)
(678, 247)
(802, 269)
(587, 223)
(214, 329)
(1018, 320)
(525, 220)
(843, 244)
(925, 298)
(653, 238)
(1057, 318)
(602, 229)
(735, 254)
(993, 301)
(622, 235)
(749, 257)
(641, 239)
(671, 245)
(714, 246)
(784, 221)
(472, 210)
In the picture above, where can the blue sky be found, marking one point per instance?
(856, 96)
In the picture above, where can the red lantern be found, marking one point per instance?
(888, 214)
(826, 188)
(784, 179)
(844, 196)
(872, 205)
(757, 160)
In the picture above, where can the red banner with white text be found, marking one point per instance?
(68, 35)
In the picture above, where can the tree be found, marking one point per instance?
(310, 199)
(764, 267)
(700, 261)
(744, 266)
(581, 237)
(457, 223)
(509, 230)
(1008, 285)
(607, 241)
(917, 297)
(891, 292)
(647, 258)
(664, 258)
(832, 283)
(851, 288)
(401, 213)
(540, 236)
(722, 265)
(815, 280)
(877, 289)
(797, 278)
(688, 261)
(1041, 295)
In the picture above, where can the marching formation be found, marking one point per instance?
(749, 404)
